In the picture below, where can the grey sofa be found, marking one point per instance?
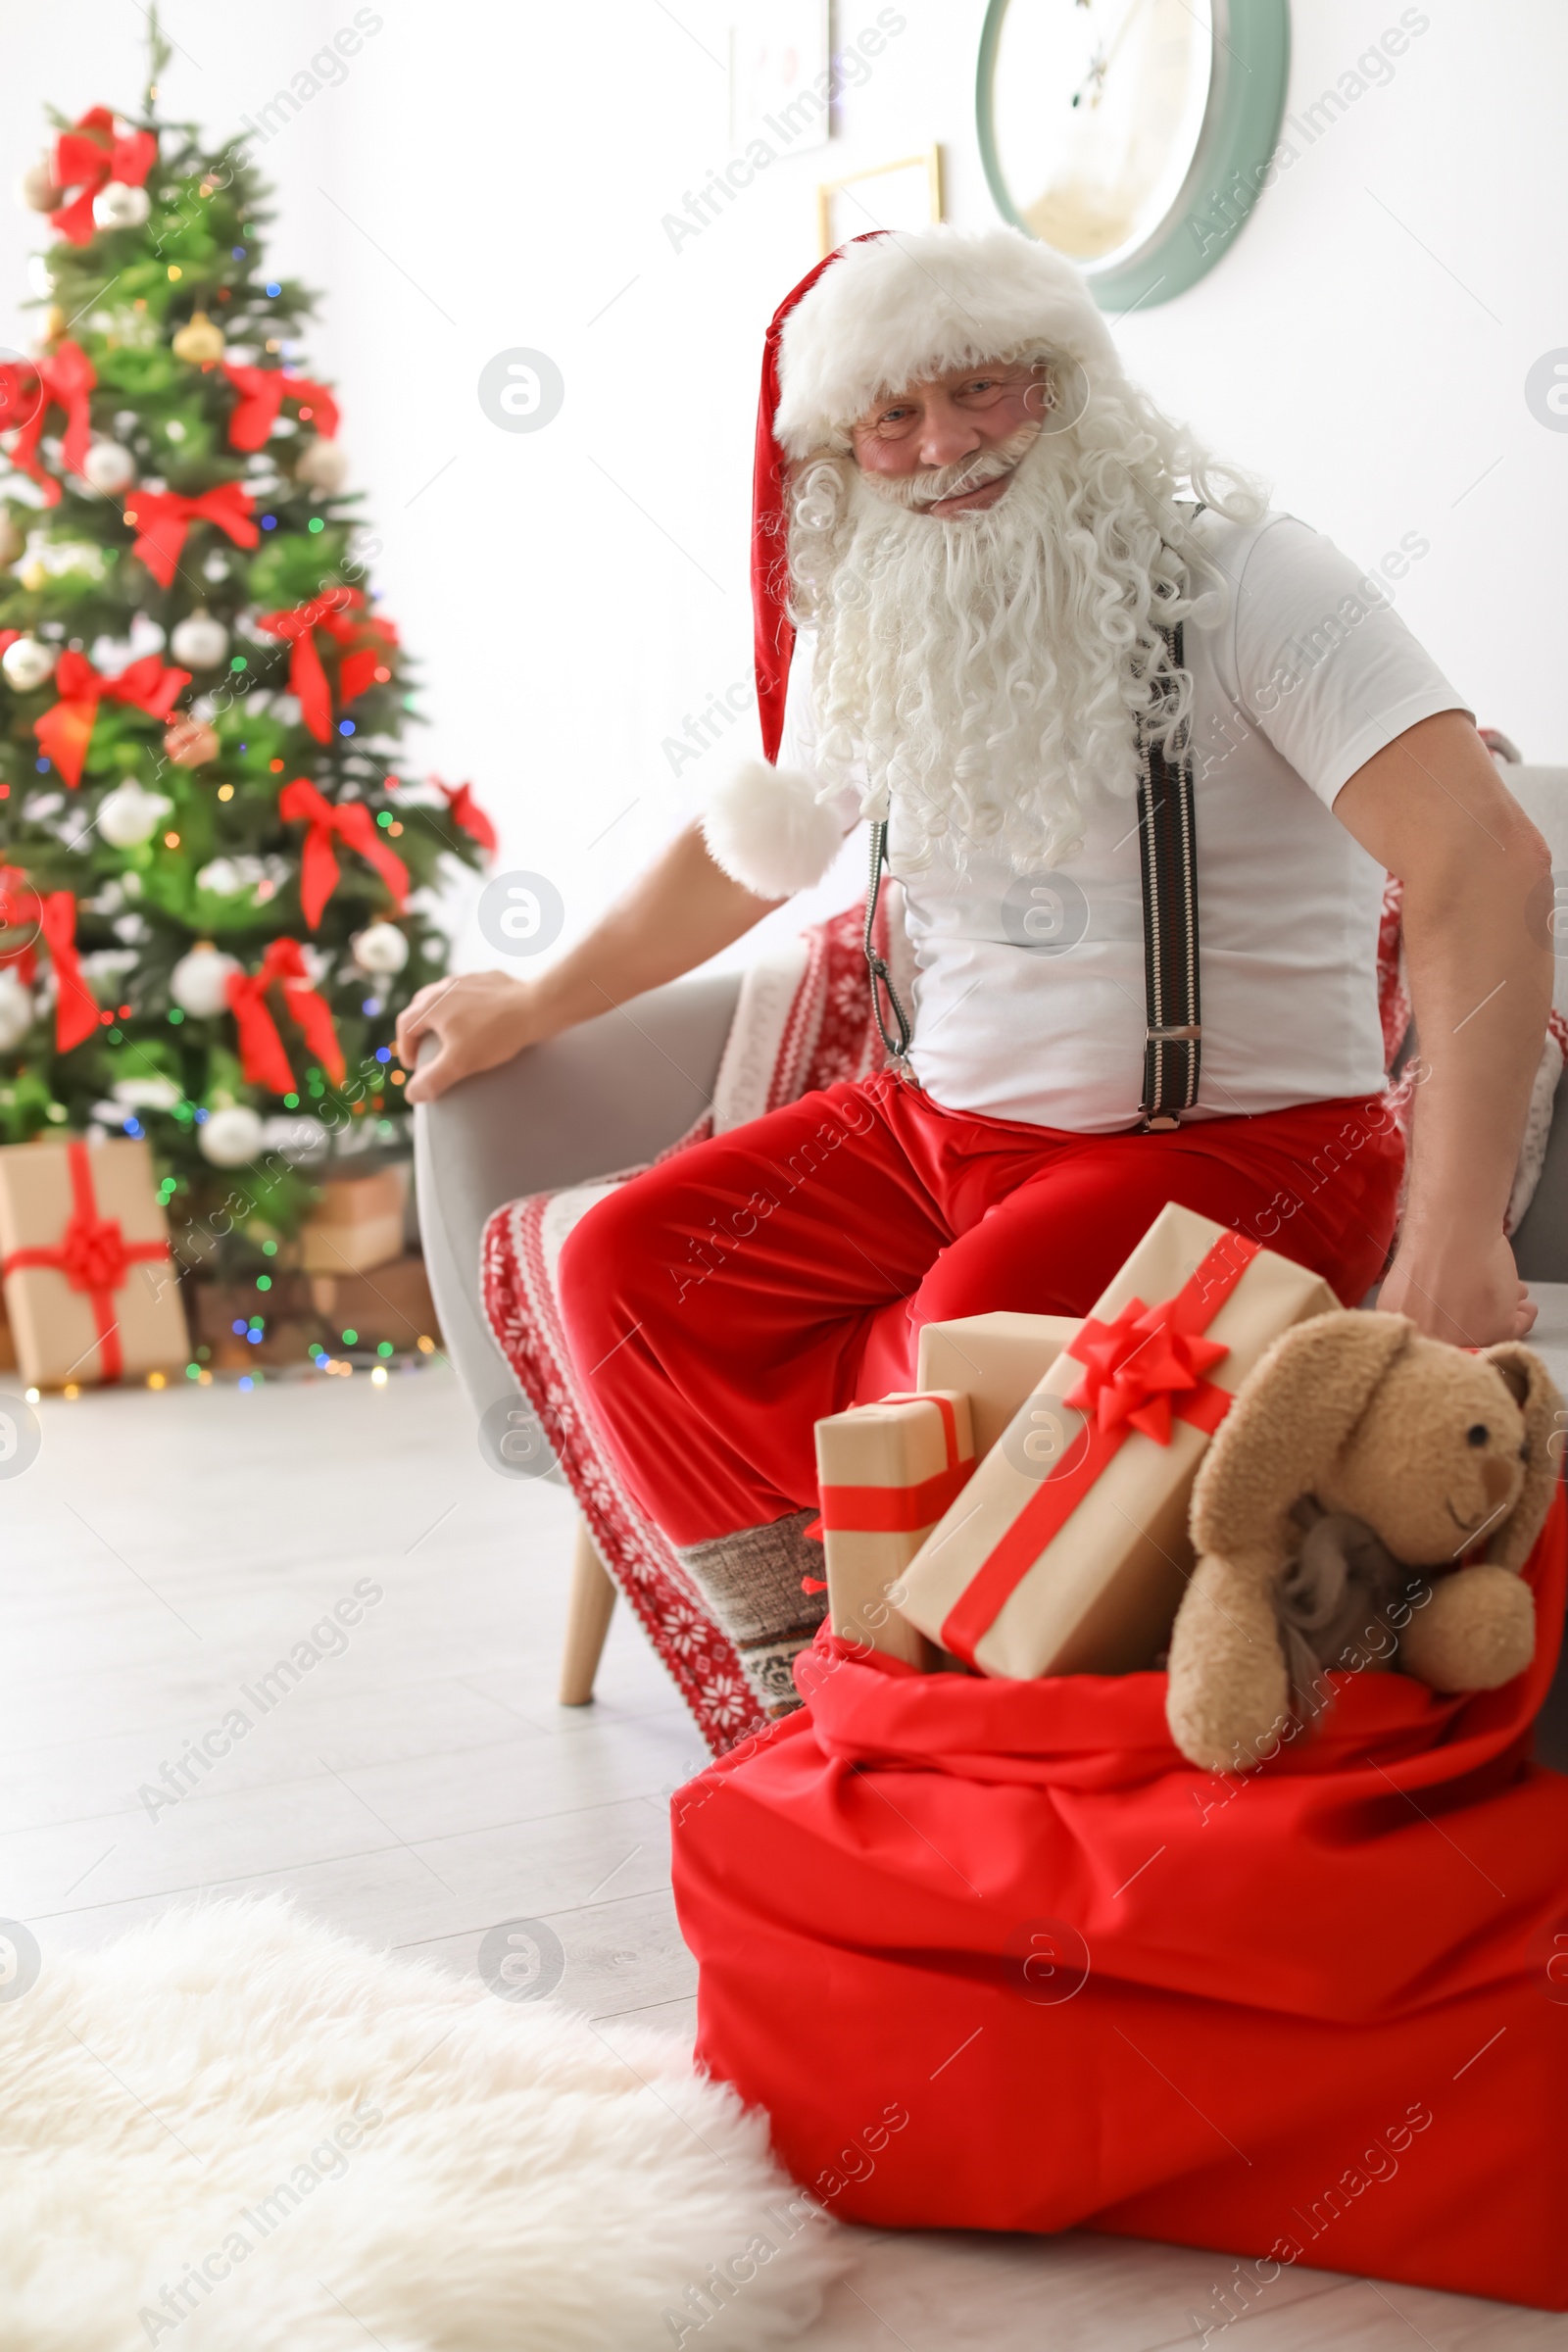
(616, 1091)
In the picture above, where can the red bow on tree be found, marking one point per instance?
(352, 826)
(161, 518)
(261, 1048)
(1143, 1368)
(28, 390)
(263, 392)
(53, 919)
(466, 812)
(341, 616)
(94, 1255)
(64, 731)
(86, 158)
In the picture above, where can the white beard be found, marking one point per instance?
(984, 674)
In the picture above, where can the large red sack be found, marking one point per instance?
(995, 1958)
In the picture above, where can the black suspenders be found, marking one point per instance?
(1168, 862)
(1173, 1029)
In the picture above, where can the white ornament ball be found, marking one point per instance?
(108, 469)
(27, 664)
(199, 642)
(36, 186)
(131, 815)
(199, 986)
(383, 947)
(121, 206)
(229, 1138)
(16, 1011)
(322, 466)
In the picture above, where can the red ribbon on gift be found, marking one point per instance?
(53, 919)
(1144, 1371)
(261, 1047)
(467, 813)
(86, 158)
(263, 392)
(339, 614)
(28, 390)
(64, 731)
(161, 518)
(94, 1256)
(352, 826)
(899, 1510)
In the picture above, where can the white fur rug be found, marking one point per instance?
(236, 2132)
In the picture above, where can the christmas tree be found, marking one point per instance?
(216, 876)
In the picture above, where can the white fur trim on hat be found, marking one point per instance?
(765, 827)
(916, 304)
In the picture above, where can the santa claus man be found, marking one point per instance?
(1035, 620)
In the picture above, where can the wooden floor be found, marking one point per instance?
(420, 1785)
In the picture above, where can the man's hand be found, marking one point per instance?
(1473, 1300)
(479, 1019)
(1432, 809)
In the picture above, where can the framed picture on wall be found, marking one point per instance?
(907, 194)
(778, 75)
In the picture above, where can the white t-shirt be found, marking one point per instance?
(1309, 674)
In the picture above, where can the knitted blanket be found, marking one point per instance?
(804, 1020)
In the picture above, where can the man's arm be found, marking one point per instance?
(683, 909)
(1432, 809)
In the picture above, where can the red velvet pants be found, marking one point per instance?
(720, 1303)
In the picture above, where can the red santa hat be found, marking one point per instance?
(882, 310)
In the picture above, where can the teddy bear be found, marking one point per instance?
(1366, 1479)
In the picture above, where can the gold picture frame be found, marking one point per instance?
(907, 202)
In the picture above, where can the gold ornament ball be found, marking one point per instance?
(55, 323)
(199, 340)
(190, 743)
(36, 186)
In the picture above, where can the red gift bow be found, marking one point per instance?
(341, 613)
(52, 918)
(466, 812)
(64, 731)
(263, 392)
(899, 1510)
(64, 379)
(261, 1054)
(1141, 1370)
(94, 1256)
(161, 518)
(354, 826)
(87, 164)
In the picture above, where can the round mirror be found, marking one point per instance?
(1132, 136)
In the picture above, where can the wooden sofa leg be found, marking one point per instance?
(588, 1612)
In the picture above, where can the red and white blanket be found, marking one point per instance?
(803, 1019)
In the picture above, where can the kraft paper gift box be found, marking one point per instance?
(1067, 1552)
(995, 1359)
(91, 1292)
(886, 1473)
(356, 1225)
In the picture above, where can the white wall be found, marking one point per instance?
(494, 176)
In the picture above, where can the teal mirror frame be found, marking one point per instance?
(1230, 166)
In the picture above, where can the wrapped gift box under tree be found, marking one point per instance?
(92, 1295)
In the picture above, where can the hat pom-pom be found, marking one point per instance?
(765, 827)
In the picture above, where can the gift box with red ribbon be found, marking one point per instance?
(91, 1292)
(1067, 1552)
(997, 1360)
(886, 1474)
